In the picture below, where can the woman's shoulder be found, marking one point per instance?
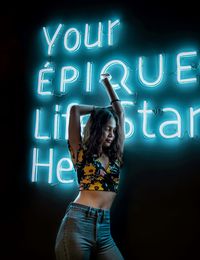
(80, 153)
(81, 146)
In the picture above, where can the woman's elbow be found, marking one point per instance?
(74, 109)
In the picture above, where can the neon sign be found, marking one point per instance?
(61, 83)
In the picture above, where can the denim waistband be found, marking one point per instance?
(89, 210)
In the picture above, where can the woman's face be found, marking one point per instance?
(108, 134)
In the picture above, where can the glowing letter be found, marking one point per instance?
(36, 164)
(144, 111)
(160, 76)
(131, 128)
(192, 114)
(89, 77)
(42, 81)
(128, 121)
(60, 169)
(174, 122)
(184, 68)
(64, 81)
(126, 73)
(57, 123)
(111, 25)
(77, 42)
(87, 36)
(51, 42)
(37, 121)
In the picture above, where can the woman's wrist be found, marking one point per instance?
(114, 100)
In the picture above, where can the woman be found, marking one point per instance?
(97, 158)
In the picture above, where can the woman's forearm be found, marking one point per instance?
(85, 109)
(113, 96)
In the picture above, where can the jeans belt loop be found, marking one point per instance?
(88, 212)
(102, 216)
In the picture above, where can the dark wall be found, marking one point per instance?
(156, 214)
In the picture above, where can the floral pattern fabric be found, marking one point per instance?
(92, 175)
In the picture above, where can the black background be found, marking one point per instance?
(156, 214)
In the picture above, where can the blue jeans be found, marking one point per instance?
(84, 233)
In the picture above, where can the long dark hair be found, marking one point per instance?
(92, 134)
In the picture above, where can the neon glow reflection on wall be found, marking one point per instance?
(60, 85)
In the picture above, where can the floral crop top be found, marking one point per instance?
(91, 173)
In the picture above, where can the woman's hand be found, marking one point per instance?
(105, 77)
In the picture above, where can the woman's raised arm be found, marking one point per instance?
(74, 129)
(114, 99)
(117, 107)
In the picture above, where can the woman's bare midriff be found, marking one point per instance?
(96, 199)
